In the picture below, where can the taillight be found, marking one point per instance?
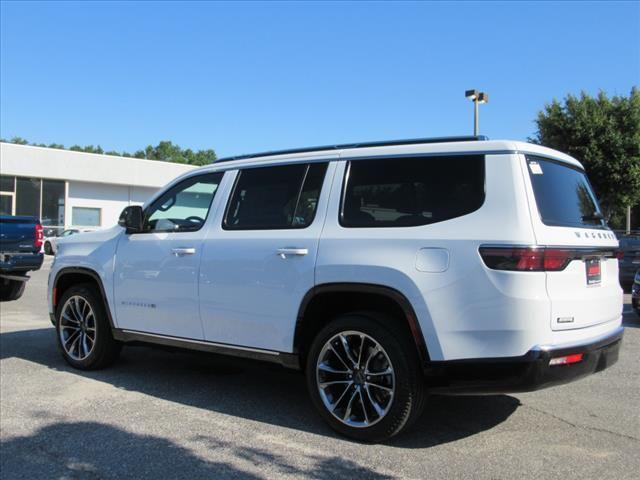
(39, 237)
(556, 259)
(525, 259)
(620, 254)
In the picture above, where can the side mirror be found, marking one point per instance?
(131, 219)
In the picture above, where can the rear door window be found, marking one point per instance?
(563, 194)
(405, 192)
(275, 197)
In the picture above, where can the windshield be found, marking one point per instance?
(563, 195)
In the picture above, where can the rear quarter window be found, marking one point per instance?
(407, 192)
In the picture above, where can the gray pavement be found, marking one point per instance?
(162, 414)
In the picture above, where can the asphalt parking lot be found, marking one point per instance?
(161, 414)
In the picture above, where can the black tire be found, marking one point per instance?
(105, 349)
(410, 392)
(11, 289)
(47, 248)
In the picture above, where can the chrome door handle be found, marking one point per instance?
(283, 252)
(182, 251)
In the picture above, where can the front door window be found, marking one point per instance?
(184, 208)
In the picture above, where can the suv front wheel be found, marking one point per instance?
(83, 329)
(364, 378)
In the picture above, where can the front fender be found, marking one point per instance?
(92, 252)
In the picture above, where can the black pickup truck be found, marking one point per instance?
(20, 245)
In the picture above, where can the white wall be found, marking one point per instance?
(95, 181)
(139, 195)
(39, 162)
(111, 199)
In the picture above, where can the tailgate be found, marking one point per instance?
(579, 299)
(17, 234)
(566, 216)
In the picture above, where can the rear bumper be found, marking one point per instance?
(523, 374)
(20, 262)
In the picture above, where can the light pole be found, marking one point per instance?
(476, 97)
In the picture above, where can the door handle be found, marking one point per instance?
(182, 251)
(283, 252)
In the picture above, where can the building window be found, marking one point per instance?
(52, 202)
(86, 217)
(7, 184)
(7, 195)
(6, 205)
(28, 197)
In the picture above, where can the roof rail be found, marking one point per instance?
(387, 143)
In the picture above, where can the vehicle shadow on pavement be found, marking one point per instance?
(252, 390)
(97, 450)
(69, 450)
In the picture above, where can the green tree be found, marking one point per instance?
(604, 134)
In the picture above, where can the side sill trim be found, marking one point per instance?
(287, 360)
(201, 342)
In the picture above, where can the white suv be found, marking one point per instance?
(384, 271)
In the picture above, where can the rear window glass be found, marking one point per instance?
(275, 197)
(406, 192)
(563, 195)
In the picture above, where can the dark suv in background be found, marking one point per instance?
(629, 261)
(20, 245)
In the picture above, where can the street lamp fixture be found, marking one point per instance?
(476, 97)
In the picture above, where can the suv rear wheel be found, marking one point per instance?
(83, 329)
(364, 378)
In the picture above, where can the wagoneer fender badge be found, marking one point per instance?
(565, 320)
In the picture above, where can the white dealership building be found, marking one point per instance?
(74, 189)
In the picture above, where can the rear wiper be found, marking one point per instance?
(593, 216)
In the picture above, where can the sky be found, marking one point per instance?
(250, 77)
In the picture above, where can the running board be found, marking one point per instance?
(287, 360)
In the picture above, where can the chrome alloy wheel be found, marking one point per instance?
(77, 328)
(355, 379)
